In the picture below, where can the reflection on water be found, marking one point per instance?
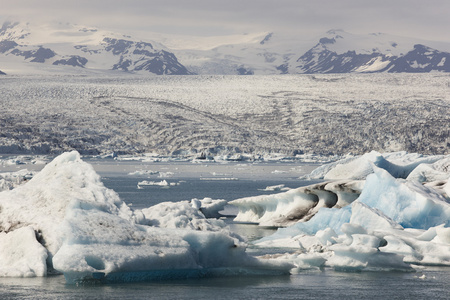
(431, 283)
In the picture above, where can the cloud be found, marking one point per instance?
(426, 19)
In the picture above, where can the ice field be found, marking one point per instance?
(231, 116)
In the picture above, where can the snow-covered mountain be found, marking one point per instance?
(266, 53)
(261, 53)
(78, 46)
(341, 52)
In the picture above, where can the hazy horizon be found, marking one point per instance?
(308, 19)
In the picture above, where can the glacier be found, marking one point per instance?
(225, 118)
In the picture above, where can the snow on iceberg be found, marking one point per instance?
(10, 180)
(65, 216)
(182, 214)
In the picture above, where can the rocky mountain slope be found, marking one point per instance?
(341, 52)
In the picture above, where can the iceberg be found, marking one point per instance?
(437, 171)
(398, 164)
(162, 183)
(392, 225)
(65, 220)
(301, 204)
(409, 203)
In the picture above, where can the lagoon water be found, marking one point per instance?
(228, 181)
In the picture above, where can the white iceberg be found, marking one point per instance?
(437, 171)
(275, 188)
(65, 219)
(153, 183)
(398, 164)
(10, 180)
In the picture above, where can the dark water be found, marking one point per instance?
(426, 283)
(307, 285)
(190, 188)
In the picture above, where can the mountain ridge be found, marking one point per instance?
(265, 53)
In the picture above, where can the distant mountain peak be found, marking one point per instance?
(335, 31)
(66, 44)
(266, 38)
(377, 52)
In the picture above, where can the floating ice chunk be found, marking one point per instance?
(440, 170)
(296, 205)
(143, 172)
(209, 207)
(398, 164)
(393, 223)
(275, 188)
(21, 255)
(42, 202)
(408, 203)
(153, 183)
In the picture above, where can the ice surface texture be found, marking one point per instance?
(226, 117)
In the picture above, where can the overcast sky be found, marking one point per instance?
(427, 19)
